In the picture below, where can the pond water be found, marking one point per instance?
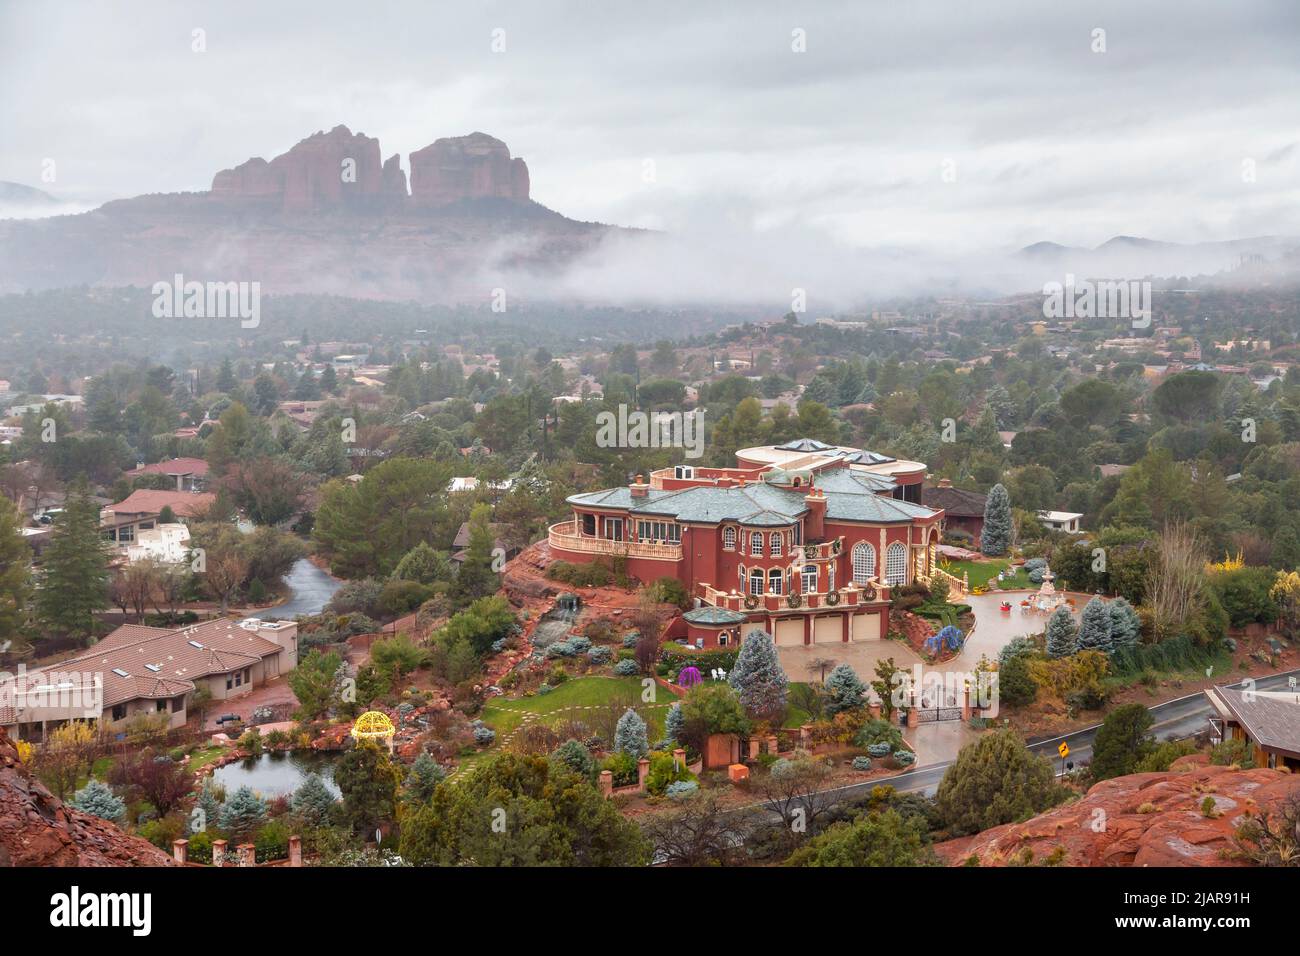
(275, 774)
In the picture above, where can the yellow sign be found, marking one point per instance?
(1063, 750)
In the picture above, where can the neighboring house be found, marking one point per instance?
(460, 544)
(135, 518)
(962, 510)
(1067, 521)
(1268, 719)
(144, 670)
(189, 474)
(169, 543)
(803, 539)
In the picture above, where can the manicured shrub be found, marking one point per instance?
(576, 757)
(905, 757)
(599, 655)
(880, 749)
(630, 735)
(861, 763)
(627, 668)
(98, 800)
(681, 788)
(844, 690)
(272, 842)
(484, 735)
(879, 731)
(242, 814)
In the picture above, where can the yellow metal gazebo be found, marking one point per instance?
(374, 725)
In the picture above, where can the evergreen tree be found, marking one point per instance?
(993, 781)
(98, 800)
(207, 809)
(426, 773)
(15, 569)
(574, 755)
(75, 583)
(844, 690)
(423, 564)
(1125, 625)
(630, 735)
(312, 801)
(1286, 549)
(243, 812)
(1121, 743)
(758, 678)
(674, 722)
(368, 780)
(226, 377)
(1094, 627)
(995, 539)
(329, 380)
(1062, 635)
(477, 577)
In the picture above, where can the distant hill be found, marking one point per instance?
(326, 216)
(1136, 257)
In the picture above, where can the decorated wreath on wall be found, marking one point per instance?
(794, 600)
(751, 601)
(868, 593)
(832, 598)
(810, 551)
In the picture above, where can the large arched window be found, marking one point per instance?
(896, 564)
(864, 563)
(756, 581)
(755, 544)
(774, 549)
(810, 579)
(774, 581)
(729, 538)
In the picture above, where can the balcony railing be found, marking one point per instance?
(848, 596)
(565, 536)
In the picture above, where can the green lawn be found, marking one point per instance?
(568, 700)
(982, 572)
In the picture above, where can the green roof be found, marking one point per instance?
(714, 616)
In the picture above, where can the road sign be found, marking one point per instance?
(1063, 750)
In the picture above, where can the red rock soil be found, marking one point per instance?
(38, 829)
(1173, 830)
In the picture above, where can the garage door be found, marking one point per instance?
(789, 632)
(866, 627)
(828, 630)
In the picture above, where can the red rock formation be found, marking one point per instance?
(476, 166)
(324, 170)
(1145, 819)
(394, 179)
(37, 829)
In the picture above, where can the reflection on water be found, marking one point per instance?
(278, 773)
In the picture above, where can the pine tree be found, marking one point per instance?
(995, 539)
(844, 690)
(422, 564)
(15, 569)
(1062, 635)
(207, 809)
(426, 773)
(98, 800)
(1125, 625)
(1094, 627)
(242, 813)
(574, 755)
(75, 583)
(758, 678)
(630, 735)
(674, 722)
(993, 781)
(312, 801)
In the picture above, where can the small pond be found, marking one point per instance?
(275, 774)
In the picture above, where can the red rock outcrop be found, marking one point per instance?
(1145, 819)
(324, 170)
(477, 166)
(38, 829)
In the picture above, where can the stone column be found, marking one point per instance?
(754, 744)
(295, 850)
(773, 744)
(247, 854)
(965, 704)
(875, 711)
(607, 783)
(179, 850)
(679, 758)
(219, 852)
(805, 733)
(642, 771)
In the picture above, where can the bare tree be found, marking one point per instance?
(695, 833)
(140, 583)
(794, 788)
(1273, 840)
(1176, 579)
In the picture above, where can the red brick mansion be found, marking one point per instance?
(803, 540)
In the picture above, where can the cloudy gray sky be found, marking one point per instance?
(846, 143)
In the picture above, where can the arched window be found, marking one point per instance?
(896, 564)
(755, 544)
(864, 563)
(775, 547)
(810, 579)
(774, 580)
(729, 538)
(756, 581)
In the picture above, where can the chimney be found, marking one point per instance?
(639, 488)
(814, 523)
(945, 483)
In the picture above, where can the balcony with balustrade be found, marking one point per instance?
(566, 536)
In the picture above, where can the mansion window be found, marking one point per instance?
(896, 564)
(756, 582)
(830, 576)
(589, 525)
(722, 638)
(755, 544)
(810, 579)
(729, 538)
(775, 548)
(614, 529)
(864, 563)
(659, 531)
(797, 535)
(774, 581)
